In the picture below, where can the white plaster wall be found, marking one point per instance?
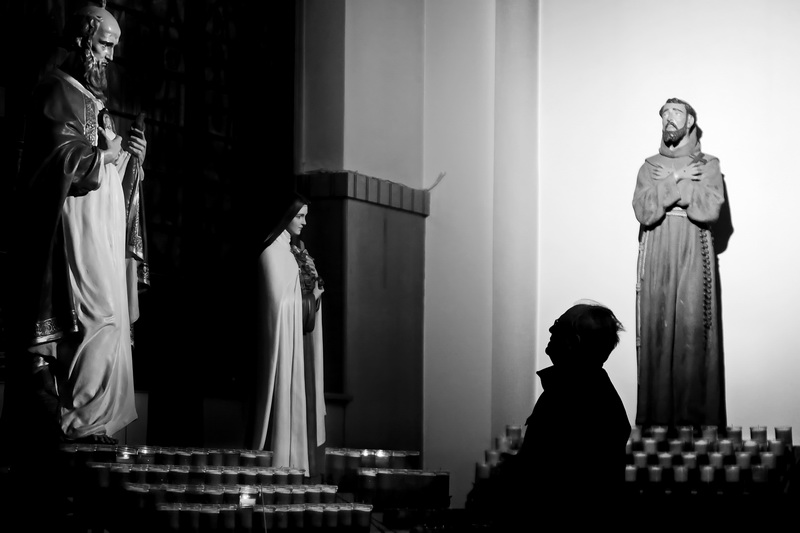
(606, 68)
(458, 140)
(515, 217)
(383, 89)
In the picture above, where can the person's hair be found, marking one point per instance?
(597, 329)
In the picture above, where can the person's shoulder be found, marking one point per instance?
(54, 82)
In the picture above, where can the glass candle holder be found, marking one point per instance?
(734, 433)
(267, 495)
(710, 433)
(264, 476)
(701, 446)
(751, 447)
(686, 434)
(676, 446)
(230, 457)
(680, 473)
(707, 474)
(784, 434)
(280, 476)
(725, 447)
(330, 517)
(482, 471)
(264, 516)
(398, 459)
(263, 458)
(689, 459)
(367, 458)
(630, 473)
(650, 446)
(769, 460)
(659, 433)
(126, 454)
(716, 459)
(313, 494)
(514, 433)
(183, 456)
(247, 458)
(759, 474)
(744, 459)
(492, 457)
(209, 518)
(199, 458)
(165, 456)
(298, 494)
(230, 476)
(777, 447)
(758, 434)
(361, 515)
(654, 474)
(328, 494)
(665, 460)
(314, 516)
(640, 459)
(502, 443)
(381, 459)
(295, 476)
(732, 474)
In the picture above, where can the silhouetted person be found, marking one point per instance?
(573, 452)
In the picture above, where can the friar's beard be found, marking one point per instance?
(672, 137)
(94, 75)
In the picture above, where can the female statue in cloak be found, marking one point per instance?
(290, 402)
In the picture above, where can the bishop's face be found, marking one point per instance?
(99, 52)
(675, 122)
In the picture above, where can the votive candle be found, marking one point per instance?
(758, 434)
(784, 434)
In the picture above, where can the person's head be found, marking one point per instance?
(678, 119)
(92, 33)
(292, 211)
(584, 336)
(298, 222)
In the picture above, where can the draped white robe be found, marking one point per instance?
(99, 396)
(281, 396)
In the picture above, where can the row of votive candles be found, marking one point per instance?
(404, 488)
(153, 494)
(732, 475)
(711, 433)
(655, 439)
(170, 456)
(355, 458)
(210, 475)
(508, 442)
(351, 517)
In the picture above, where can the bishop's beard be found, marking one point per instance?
(94, 75)
(672, 137)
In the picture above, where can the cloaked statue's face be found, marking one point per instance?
(675, 122)
(298, 222)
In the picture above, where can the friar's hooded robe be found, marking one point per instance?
(680, 370)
